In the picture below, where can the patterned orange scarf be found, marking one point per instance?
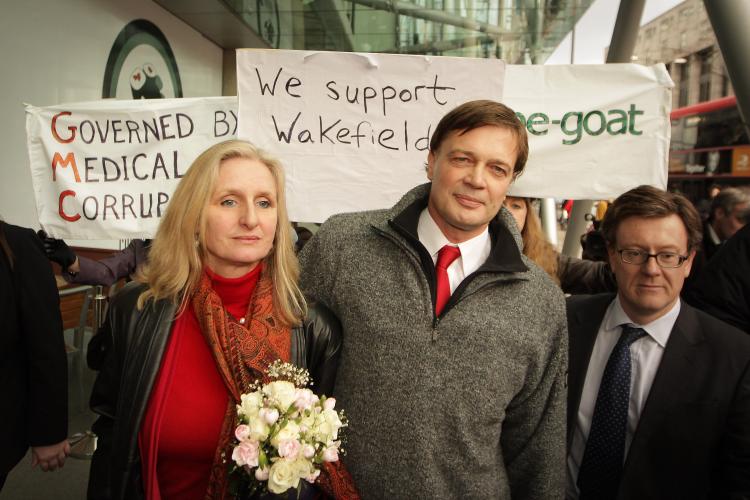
(242, 354)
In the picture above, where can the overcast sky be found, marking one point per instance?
(594, 30)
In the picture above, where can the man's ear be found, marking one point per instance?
(613, 257)
(430, 165)
(688, 264)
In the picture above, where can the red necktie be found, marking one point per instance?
(446, 256)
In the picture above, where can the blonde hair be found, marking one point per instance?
(535, 244)
(175, 262)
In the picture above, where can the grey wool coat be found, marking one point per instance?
(470, 404)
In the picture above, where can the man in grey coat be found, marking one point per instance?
(452, 375)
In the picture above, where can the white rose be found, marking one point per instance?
(303, 467)
(283, 394)
(269, 415)
(282, 476)
(306, 423)
(328, 425)
(258, 429)
(290, 431)
(250, 404)
(322, 431)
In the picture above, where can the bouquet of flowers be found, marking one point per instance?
(285, 432)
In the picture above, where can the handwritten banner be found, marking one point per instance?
(352, 129)
(106, 169)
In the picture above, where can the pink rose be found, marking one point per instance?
(269, 415)
(331, 454)
(305, 398)
(246, 453)
(242, 432)
(312, 477)
(289, 448)
(329, 404)
(261, 474)
(308, 451)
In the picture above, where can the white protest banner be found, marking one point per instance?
(352, 129)
(106, 169)
(595, 131)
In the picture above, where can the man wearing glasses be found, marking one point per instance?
(658, 392)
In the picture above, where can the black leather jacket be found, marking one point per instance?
(135, 343)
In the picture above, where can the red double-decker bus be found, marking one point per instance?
(709, 145)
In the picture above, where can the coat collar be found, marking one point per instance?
(585, 314)
(505, 253)
(673, 382)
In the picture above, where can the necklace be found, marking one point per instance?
(241, 320)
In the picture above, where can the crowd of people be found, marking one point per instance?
(441, 326)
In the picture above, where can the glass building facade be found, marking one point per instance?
(517, 31)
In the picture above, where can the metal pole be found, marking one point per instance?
(548, 215)
(413, 10)
(100, 304)
(624, 36)
(442, 45)
(730, 19)
(83, 444)
(625, 33)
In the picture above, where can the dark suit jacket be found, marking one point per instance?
(33, 365)
(724, 287)
(693, 437)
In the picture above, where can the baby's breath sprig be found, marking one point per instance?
(287, 371)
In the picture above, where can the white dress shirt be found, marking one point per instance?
(645, 355)
(473, 252)
(710, 234)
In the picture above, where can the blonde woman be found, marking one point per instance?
(216, 303)
(572, 274)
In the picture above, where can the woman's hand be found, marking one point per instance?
(50, 457)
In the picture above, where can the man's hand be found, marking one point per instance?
(50, 457)
(57, 250)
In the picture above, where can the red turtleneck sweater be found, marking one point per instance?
(184, 416)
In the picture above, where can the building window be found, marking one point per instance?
(706, 58)
(684, 84)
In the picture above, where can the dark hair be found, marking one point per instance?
(727, 199)
(481, 113)
(650, 202)
(4, 246)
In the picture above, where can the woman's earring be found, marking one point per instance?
(197, 240)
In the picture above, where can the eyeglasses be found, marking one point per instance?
(664, 259)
